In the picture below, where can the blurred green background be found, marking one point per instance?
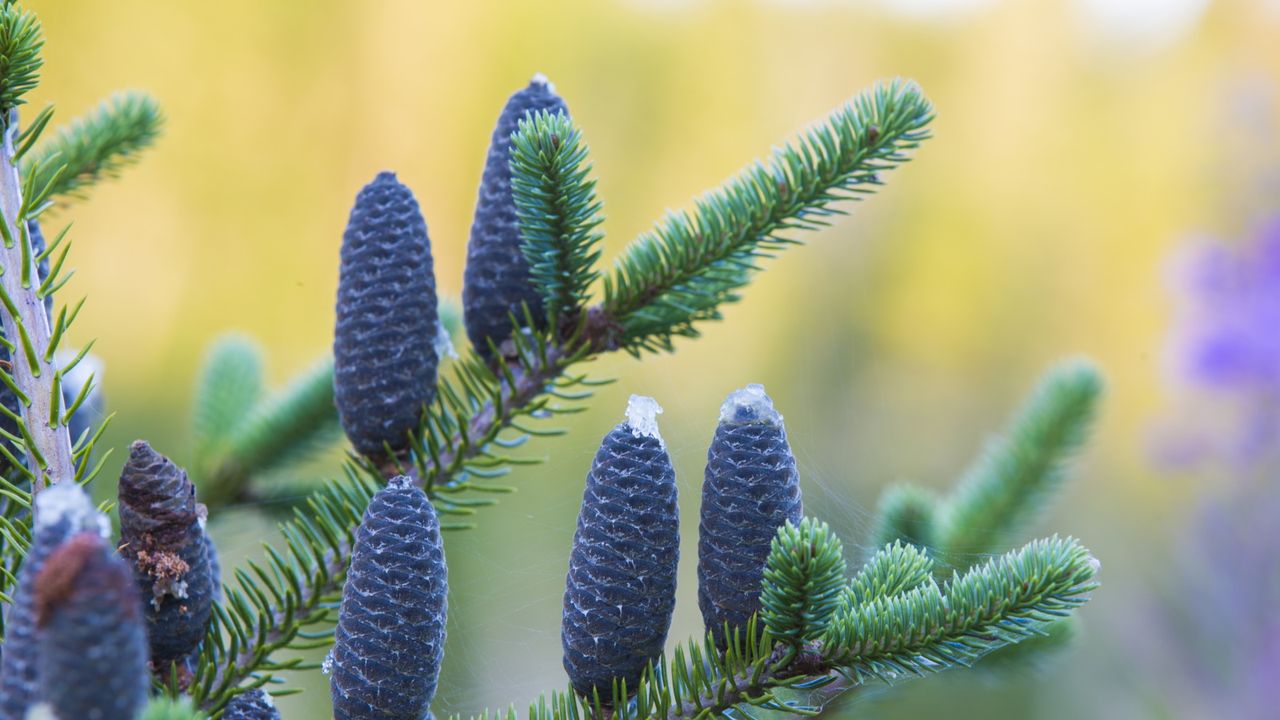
(1077, 141)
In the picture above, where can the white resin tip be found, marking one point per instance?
(749, 405)
(1094, 564)
(540, 79)
(68, 501)
(444, 343)
(400, 482)
(642, 417)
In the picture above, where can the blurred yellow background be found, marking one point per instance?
(1077, 142)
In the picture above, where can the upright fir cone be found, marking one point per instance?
(252, 705)
(384, 344)
(92, 646)
(390, 637)
(751, 488)
(621, 587)
(496, 280)
(162, 537)
(62, 510)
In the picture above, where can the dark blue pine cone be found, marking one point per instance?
(162, 537)
(92, 657)
(621, 587)
(62, 510)
(751, 488)
(384, 350)
(390, 638)
(252, 705)
(496, 280)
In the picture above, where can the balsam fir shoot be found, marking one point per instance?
(361, 564)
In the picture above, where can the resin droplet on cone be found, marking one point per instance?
(92, 660)
(162, 537)
(391, 626)
(496, 281)
(620, 591)
(384, 344)
(750, 489)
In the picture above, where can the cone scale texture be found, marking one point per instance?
(496, 280)
(92, 659)
(391, 626)
(63, 510)
(385, 359)
(750, 489)
(162, 538)
(620, 590)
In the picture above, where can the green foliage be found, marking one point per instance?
(230, 385)
(1016, 474)
(281, 429)
(993, 605)
(906, 513)
(694, 261)
(917, 630)
(893, 570)
(97, 145)
(803, 581)
(1034, 654)
(239, 434)
(20, 61)
(558, 210)
(163, 708)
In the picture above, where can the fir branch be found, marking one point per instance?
(20, 60)
(273, 608)
(461, 440)
(32, 374)
(97, 145)
(1013, 478)
(893, 570)
(1009, 600)
(484, 410)
(558, 211)
(929, 629)
(803, 581)
(683, 271)
(905, 513)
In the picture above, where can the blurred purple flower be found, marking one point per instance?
(1229, 338)
(1219, 619)
(1226, 345)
